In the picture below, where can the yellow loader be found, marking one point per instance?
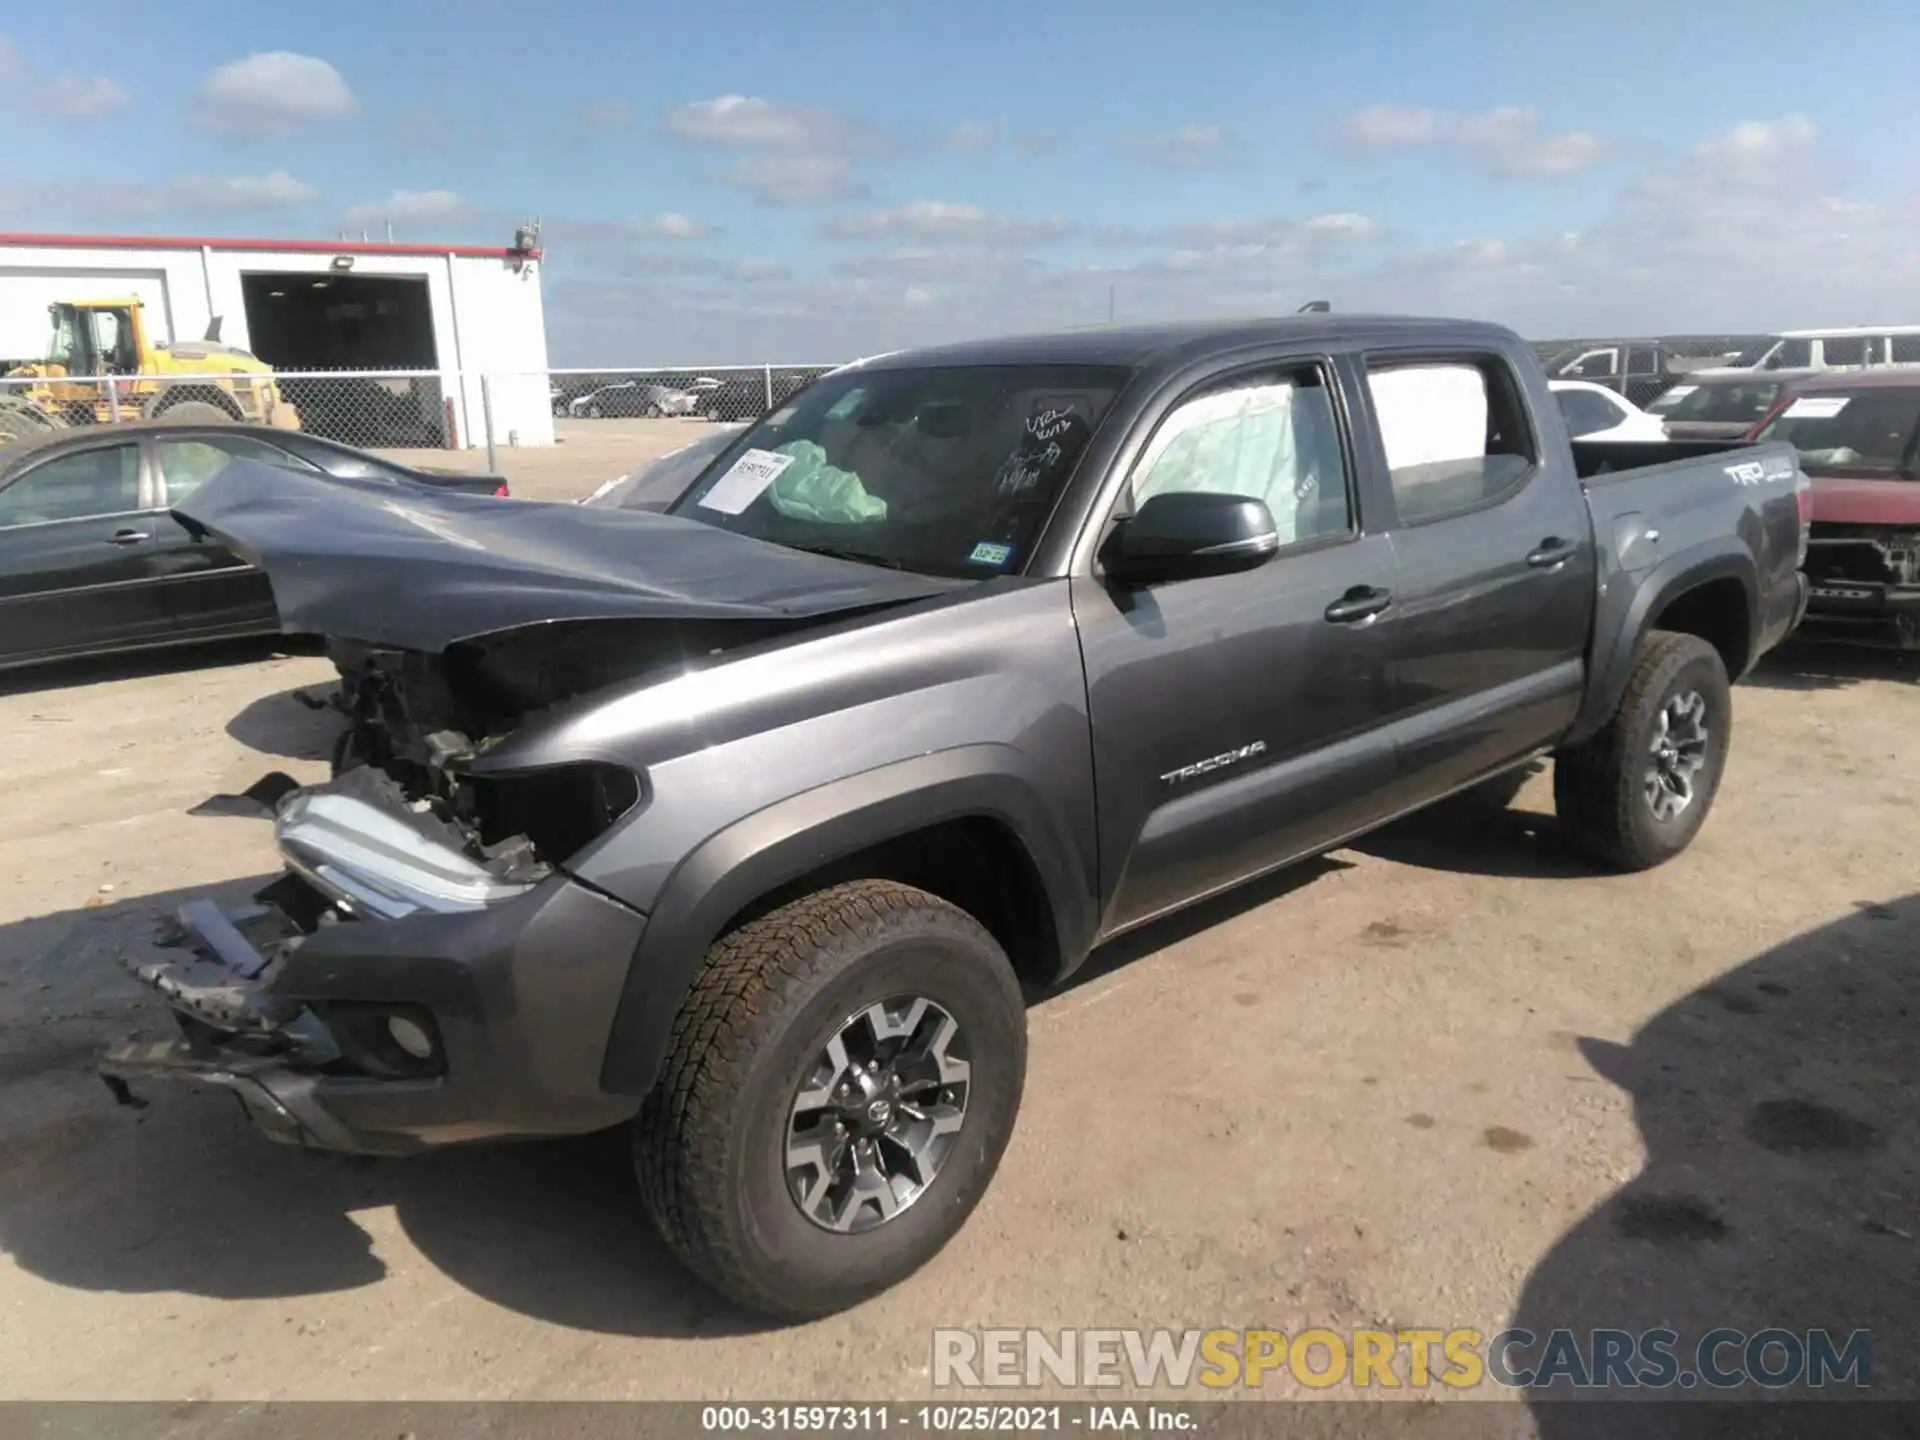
(196, 382)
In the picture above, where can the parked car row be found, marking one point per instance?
(1643, 370)
(735, 396)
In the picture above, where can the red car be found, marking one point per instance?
(1858, 434)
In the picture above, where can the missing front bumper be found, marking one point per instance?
(313, 1004)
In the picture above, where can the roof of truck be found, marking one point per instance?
(1141, 346)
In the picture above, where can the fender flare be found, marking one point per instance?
(1612, 663)
(773, 847)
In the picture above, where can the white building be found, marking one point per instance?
(317, 306)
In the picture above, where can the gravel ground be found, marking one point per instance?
(1445, 1077)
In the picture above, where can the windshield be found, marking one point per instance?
(1743, 403)
(1868, 432)
(946, 471)
(64, 349)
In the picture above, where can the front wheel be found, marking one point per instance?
(1636, 794)
(837, 1094)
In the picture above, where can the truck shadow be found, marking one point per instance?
(1482, 831)
(1807, 664)
(181, 1195)
(1776, 1106)
(288, 725)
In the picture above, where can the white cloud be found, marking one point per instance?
(788, 155)
(746, 122)
(1391, 127)
(412, 207)
(236, 194)
(607, 114)
(1271, 231)
(1745, 230)
(1032, 147)
(273, 93)
(946, 220)
(972, 137)
(669, 226)
(1506, 141)
(80, 97)
(187, 199)
(795, 179)
(63, 97)
(1191, 147)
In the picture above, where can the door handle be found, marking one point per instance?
(1551, 552)
(129, 537)
(1362, 602)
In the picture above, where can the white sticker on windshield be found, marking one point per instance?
(1816, 407)
(752, 473)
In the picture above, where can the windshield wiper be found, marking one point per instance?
(860, 557)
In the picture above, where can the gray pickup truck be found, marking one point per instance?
(751, 823)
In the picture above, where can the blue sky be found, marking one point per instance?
(761, 180)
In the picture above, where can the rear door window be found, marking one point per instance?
(1585, 412)
(1456, 434)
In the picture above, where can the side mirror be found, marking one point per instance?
(1189, 535)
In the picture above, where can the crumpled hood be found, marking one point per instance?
(364, 561)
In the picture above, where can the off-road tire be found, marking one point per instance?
(1599, 786)
(194, 412)
(23, 420)
(710, 1141)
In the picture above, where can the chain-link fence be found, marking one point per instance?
(605, 420)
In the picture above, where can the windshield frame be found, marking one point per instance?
(1904, 468)
(1706, 391)
(1112, 381)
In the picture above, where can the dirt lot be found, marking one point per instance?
(588, 452)
(1443, 1078)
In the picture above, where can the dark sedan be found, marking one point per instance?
(92, 559)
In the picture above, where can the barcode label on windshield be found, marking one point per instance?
(745, 479)
(1816, 407)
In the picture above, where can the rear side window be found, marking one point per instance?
(187, 464)
(1455, 433)
(1585, 412)
(79, 486)
(1852, 351)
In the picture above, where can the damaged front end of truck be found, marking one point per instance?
(427, 970)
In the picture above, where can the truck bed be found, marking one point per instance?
(1593, 459)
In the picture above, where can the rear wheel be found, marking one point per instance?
(21, 419)
(837, 1094)
(1636, 794)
